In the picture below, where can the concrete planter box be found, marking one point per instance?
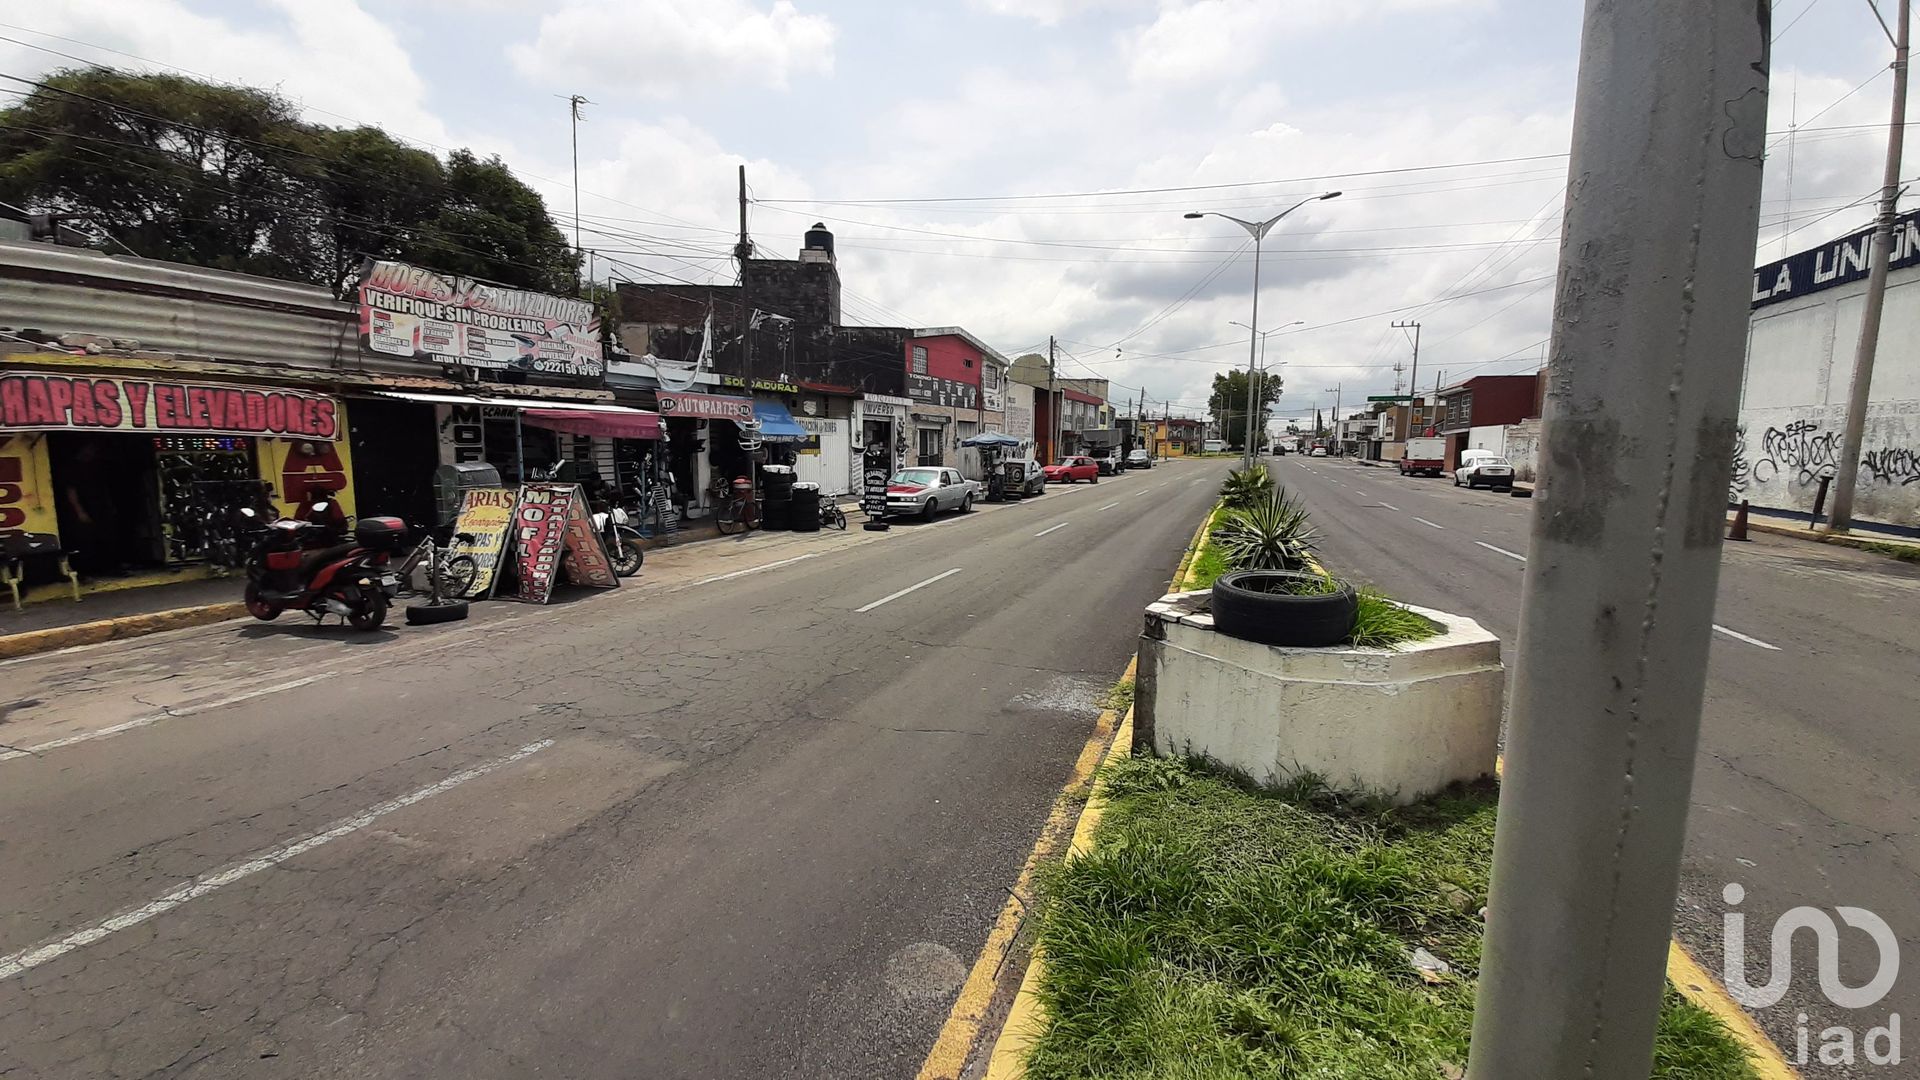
(1400, 722)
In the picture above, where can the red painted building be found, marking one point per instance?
(1486, 401)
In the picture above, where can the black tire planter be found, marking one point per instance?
(429, 614)
(1243, 610)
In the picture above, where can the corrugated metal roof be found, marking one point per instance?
(173, 307)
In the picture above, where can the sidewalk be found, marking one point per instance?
(1864, 536)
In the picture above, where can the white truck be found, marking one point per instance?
(1424, 457)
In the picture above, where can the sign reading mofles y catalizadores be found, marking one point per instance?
(551, 532)
(42, 401)
(409, 311)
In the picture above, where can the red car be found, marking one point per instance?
(1072, 470)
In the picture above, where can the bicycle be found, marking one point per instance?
(738, 516)
(449, 576)
(831, 516)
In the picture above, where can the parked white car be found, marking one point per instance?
(928, 489)
(1479, 468)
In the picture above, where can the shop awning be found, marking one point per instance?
(777, 423)
(630, 424)
(507, 402)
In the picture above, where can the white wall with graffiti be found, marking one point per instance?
(1794, 401)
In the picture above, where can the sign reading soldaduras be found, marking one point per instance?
(42, 401)
(408, 311)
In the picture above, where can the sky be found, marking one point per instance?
(1021, 167)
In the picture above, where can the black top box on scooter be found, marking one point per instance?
(380, 533)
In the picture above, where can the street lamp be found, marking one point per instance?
(1255, 399)
(1258, 230)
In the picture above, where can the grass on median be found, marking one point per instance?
(1218, 932)
(1903, 552)
(1209, 562)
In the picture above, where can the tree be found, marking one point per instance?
(231, 177)
(1229, 404)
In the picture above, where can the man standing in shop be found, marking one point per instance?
(87, 496)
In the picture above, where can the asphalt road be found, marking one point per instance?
(751, 818)
(1807, 787)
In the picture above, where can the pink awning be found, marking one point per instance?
(625, 424)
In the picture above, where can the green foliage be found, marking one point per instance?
(231, 177)
(1243, 486)
(1224, 932)
(1272, 532)
(1229, 404)
(1379, 622)
(1120, 696)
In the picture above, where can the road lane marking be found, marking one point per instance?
(757, 569)
(1428, 524)
(154, 718)
(27, 959)
(1137, 494)
(1738, 636)
(1391, 507)
(889, 598)
(1054, 528)
(1501, 551)
(1109, 506)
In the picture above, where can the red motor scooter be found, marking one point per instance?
(287, 571)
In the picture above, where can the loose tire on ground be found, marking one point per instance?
(1245, 612)
(429, 614)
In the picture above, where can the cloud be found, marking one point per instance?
(1215, 40)
(663, 47)
(1053, 12)
(332, 57)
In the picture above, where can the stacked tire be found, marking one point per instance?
(806, 507)
(776, 499)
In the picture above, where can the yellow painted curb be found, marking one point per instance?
(964, 1021)
(126, 626)
(1693, 982)
(1024, 1020)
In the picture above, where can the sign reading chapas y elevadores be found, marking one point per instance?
(444, 319)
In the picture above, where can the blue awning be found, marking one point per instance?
(777, 424)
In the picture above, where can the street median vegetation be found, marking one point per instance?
(1219, 929)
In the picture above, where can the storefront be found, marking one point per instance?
(883, 422)
(704, 441)
(125, 471)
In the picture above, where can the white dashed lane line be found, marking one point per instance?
(26, 960)
(1428, 524)
(1391, 507)
(1502, 551)
(1055, 528)
(1738, 636)
(1717, 628)
(890, 597)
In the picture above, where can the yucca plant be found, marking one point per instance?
(1243, 486)
(1271, 532)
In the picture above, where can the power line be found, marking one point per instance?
(1184, 187)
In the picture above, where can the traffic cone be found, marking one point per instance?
(1738, 531)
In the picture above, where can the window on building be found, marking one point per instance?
(990, 377)
(919, 359)
(933, 442)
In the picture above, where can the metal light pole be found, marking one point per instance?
(1846, 471)
(1339, 442)
(1256, 381)
(1649, 332)
(1258, 230)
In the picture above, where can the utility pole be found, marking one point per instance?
(1339, 443)
(1650, 325)
(1846, 472)
(1413, 381)
(743, 251)
(1053, 409)
(1139, 418)
(574, 101)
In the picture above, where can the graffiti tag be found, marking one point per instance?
(1737, 485)
(1896, 465)
(1800, 450)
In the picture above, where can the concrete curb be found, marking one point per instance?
(125, 626)
(1815, 536)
